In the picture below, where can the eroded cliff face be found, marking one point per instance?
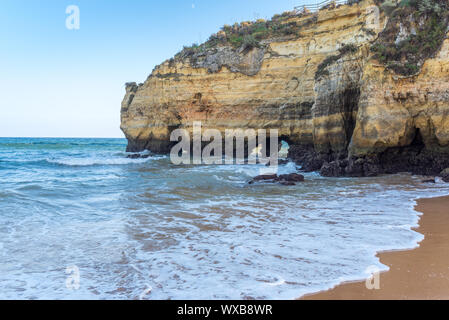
(403, 122)
(340, 110)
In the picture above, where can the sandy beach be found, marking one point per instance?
(421, 274)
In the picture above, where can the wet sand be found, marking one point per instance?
(421, 274)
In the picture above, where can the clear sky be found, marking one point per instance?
(56, 82)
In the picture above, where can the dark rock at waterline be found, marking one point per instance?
(280, 162)
(429, 181)
(138, 156)
(361, 167)
(266, 177)
(287, 183)
(284, 179)
(445, 175)
(307, 157)
(416, 158)
(292, 177)
(333, 169)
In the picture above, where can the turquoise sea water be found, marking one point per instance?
(147, 229)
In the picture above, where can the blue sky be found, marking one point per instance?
(56, 82)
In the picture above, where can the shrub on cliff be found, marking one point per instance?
(250, 34)
(188, 51)
(426, 22)
(348, 48)
(249, 42)
(235, 40)
(351, 2)
(344, 50)
(428, 6)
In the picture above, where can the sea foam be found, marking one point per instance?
(188, 232)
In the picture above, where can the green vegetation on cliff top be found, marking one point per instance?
(322, 67)
(415, 31)
(251, 34)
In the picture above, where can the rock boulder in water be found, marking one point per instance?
(283, 179)
(138, 156)
(292, 177)
(287, 183)
(445, 175)
(265, 177)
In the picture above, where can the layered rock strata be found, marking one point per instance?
(341, 111)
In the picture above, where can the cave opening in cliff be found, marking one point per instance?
(350, 107)
(409, 158)
(418, 141)
(284, 147)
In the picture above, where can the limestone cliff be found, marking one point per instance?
(342, 110)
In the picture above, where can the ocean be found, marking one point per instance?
(80, 220)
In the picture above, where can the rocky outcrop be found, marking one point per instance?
(284, 179)
(445, 175)
(247, 61)
(342, 111)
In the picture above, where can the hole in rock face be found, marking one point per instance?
(350, 107)
(197, 98)
(411, 158)
(264, 150)
(284, 147)
(418, 141)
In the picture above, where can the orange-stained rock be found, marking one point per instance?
(355, 112)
